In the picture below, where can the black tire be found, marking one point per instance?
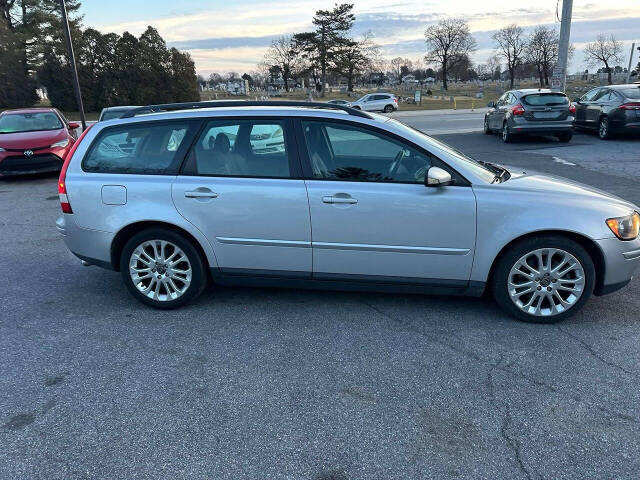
(565, 137)
(507, 136)
(604, 129)
(500, 277)
(356, 107)
(388, 109)
(486, 129)
(198, 273)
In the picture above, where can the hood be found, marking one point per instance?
(31, 140)
(552, 186)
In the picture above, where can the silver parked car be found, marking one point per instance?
(344, 200)
(531, 112)
(377, 102)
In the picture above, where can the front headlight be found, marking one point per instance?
(61, 143)
(625, 228)
(2, 149)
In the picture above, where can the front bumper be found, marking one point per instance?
(621, 260)
(41, 162)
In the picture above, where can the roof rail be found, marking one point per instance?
(169, 107)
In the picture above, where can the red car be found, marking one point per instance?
(34, 140)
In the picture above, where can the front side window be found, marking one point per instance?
(339, 151)
(590, 95)
(242, 148)
(148, 148)
(29, 122)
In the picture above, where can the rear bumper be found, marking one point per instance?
(621, 261)
(541, 128)
(93, 246)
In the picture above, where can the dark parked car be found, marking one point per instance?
(610, 110)
(110, 113)
(531, 112)
(34, 140)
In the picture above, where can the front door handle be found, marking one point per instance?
(200, 194)
(339, 198)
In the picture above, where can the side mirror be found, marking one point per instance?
(73, 125)
(437, 177)
(491, 104)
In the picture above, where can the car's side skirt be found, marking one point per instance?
(346, 282)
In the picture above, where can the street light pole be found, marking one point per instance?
(633, 47)
(563, 47)
(72, 62)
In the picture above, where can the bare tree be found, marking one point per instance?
(397, 65)
(355, 57)
(447, 43)
(605, 50)
(285, 55)
(510, 45)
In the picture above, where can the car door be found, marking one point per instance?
(241, 187)
(583, 105)
(372, 216)
(370, 103)
(497, 116)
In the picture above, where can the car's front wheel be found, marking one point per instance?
(565, 137)
(543, 280)
(162, 269)
(486, 129)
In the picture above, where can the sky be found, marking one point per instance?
(224, 36)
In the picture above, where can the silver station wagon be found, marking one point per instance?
(290, 194)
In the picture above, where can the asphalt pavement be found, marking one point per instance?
(293, 384)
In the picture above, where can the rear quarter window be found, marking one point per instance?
(147, 148)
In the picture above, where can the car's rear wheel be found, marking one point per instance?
(543, 280)
(604, 129)
(388, 109)
(565, 137)
(162, 269)
(507, 136)
(486, 129)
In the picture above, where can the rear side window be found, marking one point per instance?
(241, 148)
(545, 99)
(149, 148)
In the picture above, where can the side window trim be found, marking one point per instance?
(306, 161)
(292, 147)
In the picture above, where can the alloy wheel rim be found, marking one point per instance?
(160, 270)
(546, 282)
(505, 132)
(603, 128)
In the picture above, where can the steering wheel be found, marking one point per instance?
(397, 161)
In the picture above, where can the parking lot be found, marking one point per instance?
(267, 383)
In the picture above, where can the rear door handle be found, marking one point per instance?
(339, 199)
(200, 194)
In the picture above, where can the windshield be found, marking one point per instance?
(111, 114)
(417, 136)
(545, 99)
(633, 93)
(29, 122)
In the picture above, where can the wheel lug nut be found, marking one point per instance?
(539, 287)
(548, 289)
(537, 279)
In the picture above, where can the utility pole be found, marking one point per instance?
(633, 47)
(72, 62)
(559, 80)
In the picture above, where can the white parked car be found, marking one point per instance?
(377, 102)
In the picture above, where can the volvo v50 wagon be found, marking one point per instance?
(288, 195)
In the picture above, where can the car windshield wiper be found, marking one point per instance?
(501, 174)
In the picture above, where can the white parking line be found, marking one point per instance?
(564, 162)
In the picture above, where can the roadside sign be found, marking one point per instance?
(557, 78)
(417, 96)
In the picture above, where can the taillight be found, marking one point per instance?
(517, 110)
(630, 106)
(395, 99)
(572, 109)
(62, 187)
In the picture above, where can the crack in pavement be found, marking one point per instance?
(595, 354)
